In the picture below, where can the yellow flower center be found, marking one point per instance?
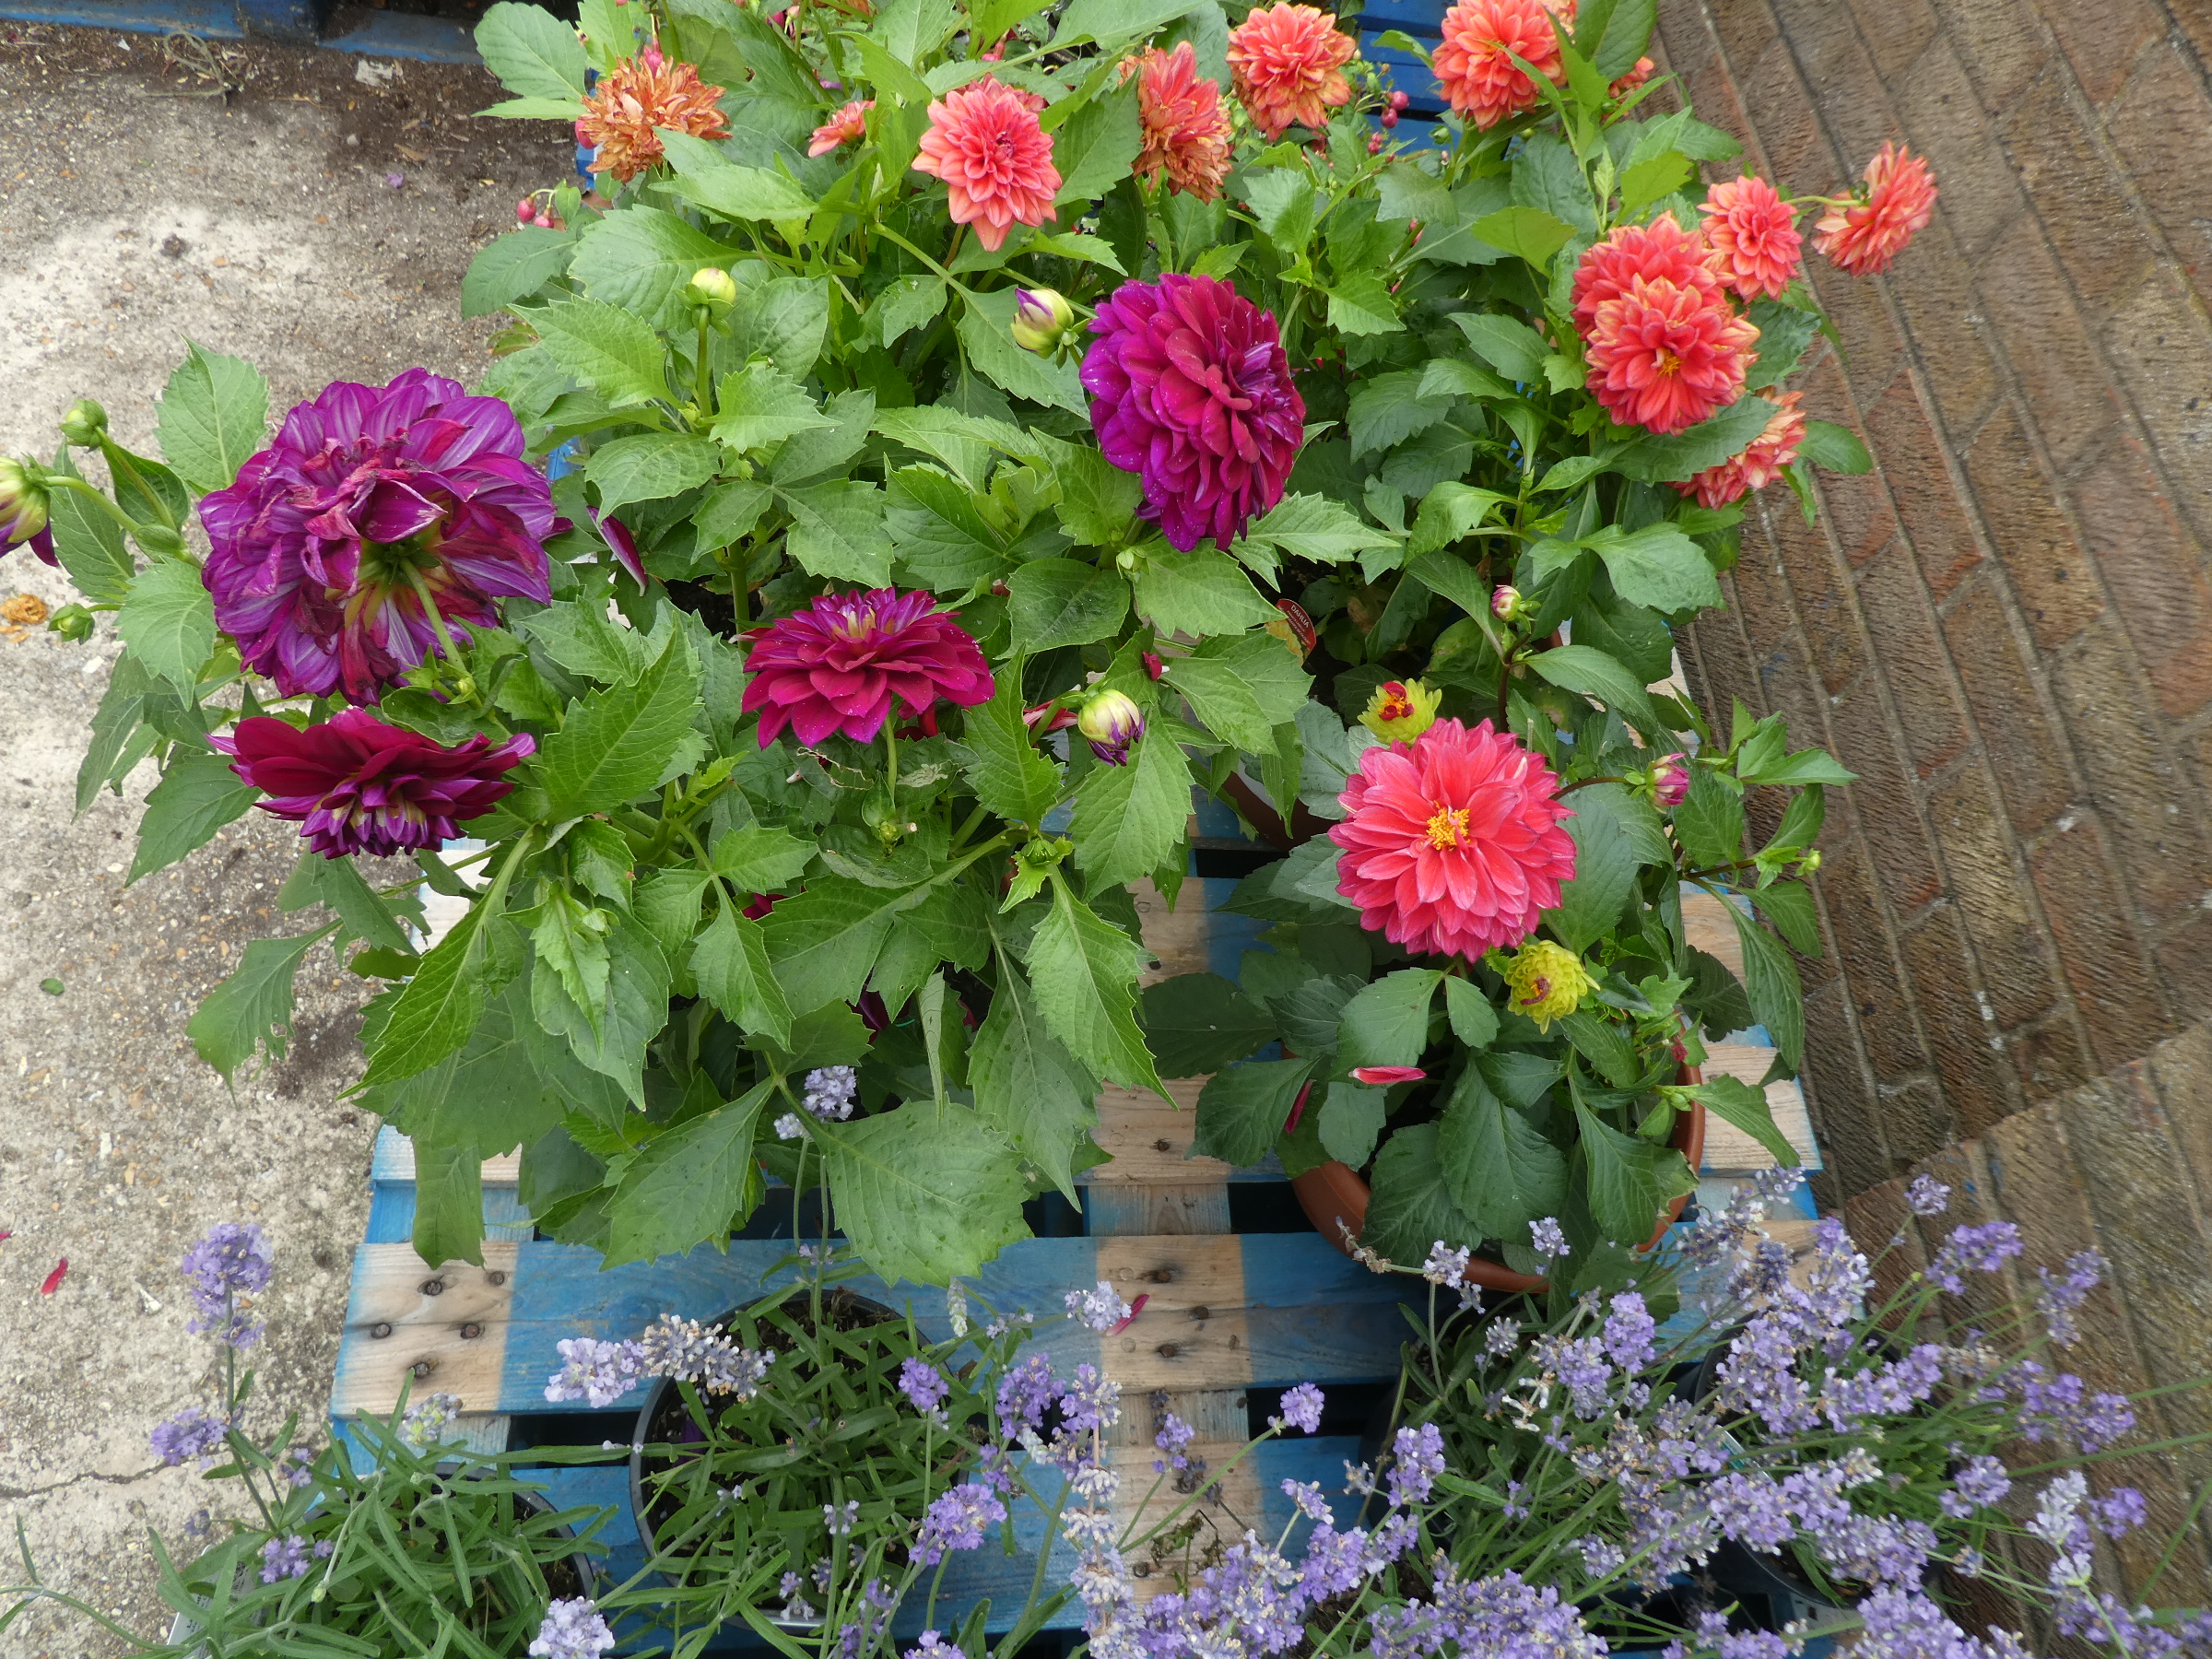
(1447, 828)
(1668, 363)
(1396, 705)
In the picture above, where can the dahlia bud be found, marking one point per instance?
(1810, 862)
(1154, 667)
(1670, 781)
(1042, 317)
(1112, 722)
(1400, 711)
(1398, 100)
(1548, 982)
(1509, 604)
(1374, 143)
(161, 539)
(526, 210)
(712, 290)
(1390, 118)
(72, 622)
(23, 503)
(651, 57)
(85, 425)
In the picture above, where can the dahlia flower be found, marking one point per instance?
(1759, 465)
(1665, 358)
(1660, 251)
(996, 161)
(849, 125)
(1639, 73)
(839, 664)
(1186, 130)
(1453, 846)
(1111, 723)
(372, 500)
(1547, 981)
(1475, 62)
(1287, 63)
(1190, 390)
(1753, 234)
(1670, 781)
(23, 509)
(1899, 199)
(358, 785)
(634, 98)
(1400, 711)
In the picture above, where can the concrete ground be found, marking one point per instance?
(319, 225)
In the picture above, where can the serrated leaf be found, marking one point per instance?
(984, 325)
(213, 415)
(1197, 1023)
(89, 542)
(252, 1008)
(168, 620)
(1710, 821)
(1098, 500)
(1660, 567)
(1592, 904)
(1094, 148)
(1198, 593)
(1833, 448)
(1001, 762)
(1351, 1121)
(617, 355)
(532, 52)
(197, 795)
(1129, 818)
(944, 541)
(1474, 1019)
(904, 304)
(926, 1193)
(1387, 1022)
(1631, 1180)
(449, 1205)
(687, 1185)
(639, 261)
(650, 466)
(1592, 673)
(1658, 460)
(1771, 982)
(1312, 526)
(1027, 1086)
(1386, 409)
(730, 963)
(1412, 1207)
(1524, 231)
(760, 405)
(824, 941)
(1506, 344)
(1739, 1103)
(336, 884)
(838, 531)
(1241, 1110)
(436, 1009)
(759, 858)
(786, 320)
(618, 743)
(513, 268)
(1499, 1169)
(611, 1038)
(1084, 970)
(742, 193)
(1361, 303)
(1057, 602)
(1282, 201)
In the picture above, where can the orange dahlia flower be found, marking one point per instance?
(1288, 63)
(849, 125)
(1475, 66)
(1664, 357)
(996, 161)
(1899, 199)
(1753, 234)
(1186, 130)
(637, 96)
(1639, 73)
(1758, 467)
(1659, 251)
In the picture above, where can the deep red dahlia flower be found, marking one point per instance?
(1453, 846)
(1190, 390)
(837, 665)
(358, 785)
(371, 497)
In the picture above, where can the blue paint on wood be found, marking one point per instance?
(401, 34)
(391, 1213)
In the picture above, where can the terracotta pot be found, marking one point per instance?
(1332, 1192)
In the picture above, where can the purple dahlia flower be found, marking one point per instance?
(358, 786)
(371, 497)
(1189, 389)
(837, 665)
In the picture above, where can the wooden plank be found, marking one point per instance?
(1728, 1148)
(445, 1329)
(1195, 1329)
(1706, 926)
(393, 1161)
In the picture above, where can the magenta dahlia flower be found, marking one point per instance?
(837, 665)
(358, 785)
(373, 500)
(1453, 845)
(1189, 389)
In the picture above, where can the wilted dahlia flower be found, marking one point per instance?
(839, 664)
(1286, 63)
(1453, 845)
(635, 98)
(1474, 62)
(1186, 130)
(355, 784)
(1899, 199)
(1190, 390)
(370, 497)
(1759, 465)
(1753, 234)
(996, 161)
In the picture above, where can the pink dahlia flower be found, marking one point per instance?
(1753, 233)
(1639, 73)
(1665, 358)
(1474, 64)
(355, 784)
(1453, 845)
(996, 161)
(1286, 64)
(1759, 465)
(1899, 199)
(839, 664)
(849, 125)
(1661, 251)
(371, 497)
(1189, 389)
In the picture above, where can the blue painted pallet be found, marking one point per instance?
(295, 22)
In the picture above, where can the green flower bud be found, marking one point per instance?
(161, 539)
(85, 424)
(712, 290)
(23, 506)
(1040, 318)
(72, 622)
(1112, 722)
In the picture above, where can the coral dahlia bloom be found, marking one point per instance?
(1474, 64)
(1759, 465)
(1286, 63)
(849, 125)
(1665, 358)
(370, 497)
(996, 161)
(1753, 234)
(1186, 130)
(1189, 389)
(839, 664)
(637, 96)
(1661, 251)
(1900, 199)
(355, 784)
(1453, 845)
(1639, 73)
